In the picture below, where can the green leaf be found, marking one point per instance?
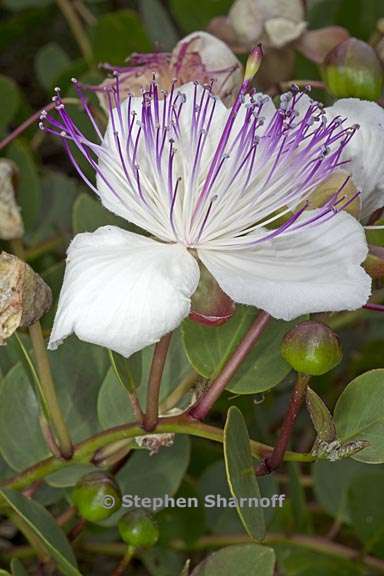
(366, 506)
(331, 484)
(242, 560)
(359, 415)
(50, 62)
(29, 189)
(10, 99)
(241, 473)
(17, 568)
(296, 560)
(127, 370)
(297, 499)
(116, 35)
(21, 440)
(161, 561)
(89, 214)
(54, 277)
(69, 475)
(37, 523)
(320, 416)
(158, 25)
(208, 349)
(153, 476)
(196, 14)
(78, 370)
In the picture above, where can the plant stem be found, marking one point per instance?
(200, 410)
(76, 27)
(84, 452)
(153, 394)
(32, 119)
(48, 391)
(374, 307)
(273, 461)
(45, 382)
(123, 564)
(179, 392)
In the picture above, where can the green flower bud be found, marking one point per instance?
(137, 529)
(311, 348)
(96, 496)
(353, 69)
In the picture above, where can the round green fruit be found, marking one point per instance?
(96, 496)
(311, 348)
(138, 529)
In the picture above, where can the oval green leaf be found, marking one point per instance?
(241, 474)
(242, 560)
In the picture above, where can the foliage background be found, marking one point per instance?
(334, 510)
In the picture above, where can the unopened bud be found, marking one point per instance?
(352, 69)
(253, 62)
(138, 529)
(96, 496)
(24, 296)
(11, 224)
(311, 348)
(210, 305)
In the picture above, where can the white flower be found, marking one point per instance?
(365, 152)
(228, 187)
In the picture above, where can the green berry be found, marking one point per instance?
(137, 529)
(311, 348)
(96, 496)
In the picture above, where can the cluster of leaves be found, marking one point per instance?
(38, 53)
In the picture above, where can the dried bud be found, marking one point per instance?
(11, 224)
(153, 442)
(96, 496)
(210, 305)
(137, 529)
(275, 23)
(311, 348)
(352, 69)
(198, 57)
(338, 185)
(24, 296)
(203, 57)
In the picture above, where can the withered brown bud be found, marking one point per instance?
(24, 296)
(11, 224)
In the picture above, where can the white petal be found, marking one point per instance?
(123, 291)
(315, 270)
(365, 150)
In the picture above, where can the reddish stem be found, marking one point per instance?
(200, 410)
(375, 307)
(273, 461)
(153, 395)
(31, 120)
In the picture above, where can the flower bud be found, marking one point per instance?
(137, 529)
(11, 224)
(352, 69)
(210, 305)
(24, 296)
(96, 496)
(311, 348)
